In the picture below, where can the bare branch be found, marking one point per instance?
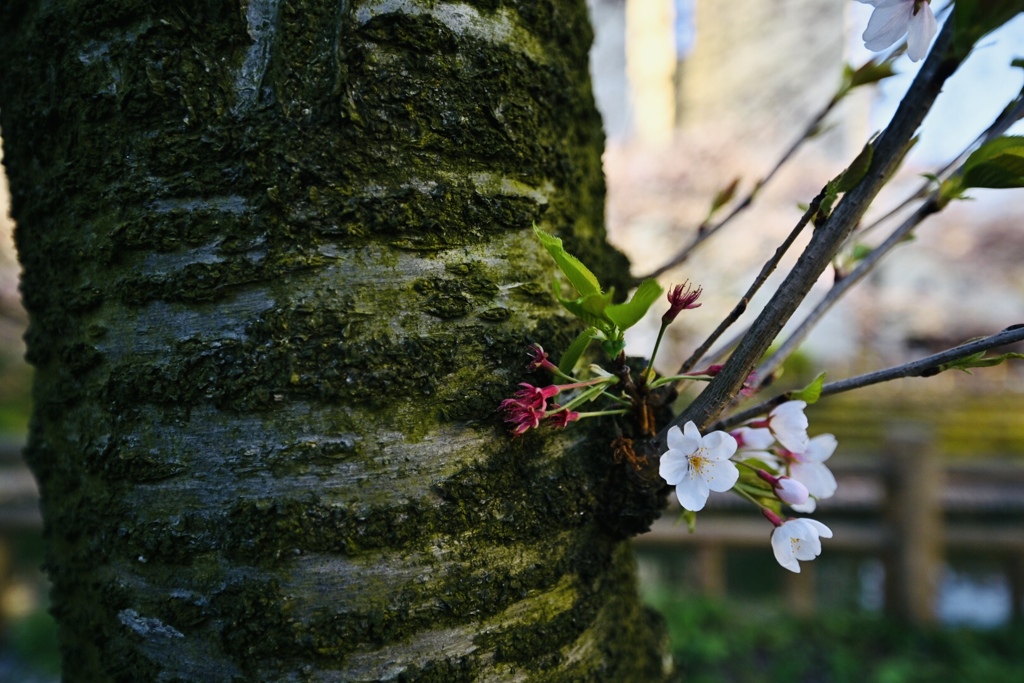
(925, 367)
(705, 231)
(1007, 118)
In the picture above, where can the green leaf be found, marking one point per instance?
(1004, 144)
(591, 309)
(997, 164)
(973, 19)
(723, 197)
(978, 360)
(855, 172)
(811, 393)
(870, 72)
(613, 347)
(572, 354)
(860, 252)
(627, 314)
(579, 275)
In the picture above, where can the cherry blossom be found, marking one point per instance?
(788, 424)
(892, 19)
(539, 359)
(798, 539)
(697, 465)
(809, 468)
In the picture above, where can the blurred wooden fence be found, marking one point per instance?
(907, 508)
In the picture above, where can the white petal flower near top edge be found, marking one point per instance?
(893, 19)
(697, 465)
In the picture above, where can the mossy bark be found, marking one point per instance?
(280, 272)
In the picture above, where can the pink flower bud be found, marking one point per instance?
(788, 490)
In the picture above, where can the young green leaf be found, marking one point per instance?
(579, 275)
(591, 309)
(572, 354)
(811, 393)
(723, 197)
(627, 314)
(978, 360)
(997, 164)
(872, 71)
(857, 169)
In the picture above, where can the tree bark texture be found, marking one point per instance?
(280, 272)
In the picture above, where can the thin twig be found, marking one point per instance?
(924, 367)
(766, 270)
(1013, 112)
(705, 231)
(1007, 118)
(844, 285)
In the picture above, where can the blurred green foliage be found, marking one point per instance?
(33, 640)
(714, 642)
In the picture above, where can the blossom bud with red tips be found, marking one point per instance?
(539, 359)
(562, 418)
(680, 298)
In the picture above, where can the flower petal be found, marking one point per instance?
(719, 445)
(920, 33)
(783, 549)
(887, 24)
(684, 443)
(789, 424)
(690, 430)
(721, 475)
(674, 466)
(692, 493)
(807, 507)
(818, 479)
(757, 439)
(820, 448)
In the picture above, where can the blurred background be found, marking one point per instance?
(924, 577)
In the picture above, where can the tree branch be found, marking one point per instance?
(761, 278)
(925, 367)
(1007, 118)
(705, 231)
(890, 148)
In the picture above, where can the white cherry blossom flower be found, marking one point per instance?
(753, 444)
(809, 468)
(892, 19)
(798, 539)
(697, 465)
(789, 425)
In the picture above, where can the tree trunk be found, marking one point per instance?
(280, 273)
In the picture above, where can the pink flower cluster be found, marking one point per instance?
(529, 405)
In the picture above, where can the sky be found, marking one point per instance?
(971, 99)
